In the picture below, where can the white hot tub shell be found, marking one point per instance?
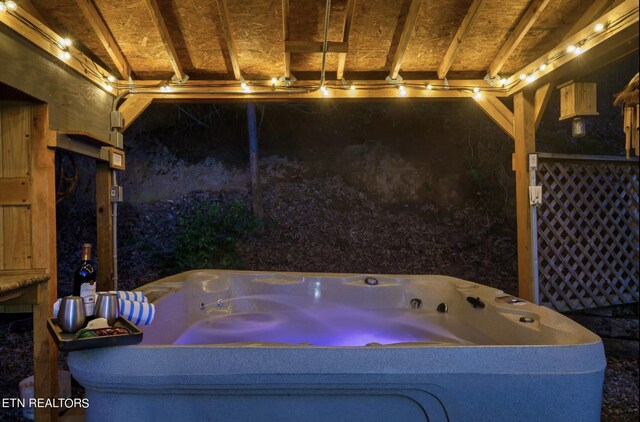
(514, 360)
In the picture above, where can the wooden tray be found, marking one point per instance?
(67, 342)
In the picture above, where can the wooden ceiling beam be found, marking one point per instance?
(228, 36)
(226, 90)
(592, 13)
(407, 30)
(462, 32)
(623, 34)
(99, 26)
(285, 38)
(346, 30)
(315, 47)
(524, 25)
(47, 40)
(158, 21)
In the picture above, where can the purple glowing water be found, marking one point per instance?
(326, 325)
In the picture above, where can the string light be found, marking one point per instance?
(523, 76)
(543, 66)
(166, 88)
(477, 94)
(503, 81)
(110, 78)
(11, 5)
(429, 87)
(476, 90)
(2, 7)
(324, 90)
(66, 42)
(65, 55)
(108, 87)
(599, 27)
(402, 91)
(529, 79)
(274, 82)
(571, 48)
(578, 50)
(352, 87)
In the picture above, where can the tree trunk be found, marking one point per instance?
(256, 192)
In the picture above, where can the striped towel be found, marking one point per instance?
(135, 296)
(137, 313)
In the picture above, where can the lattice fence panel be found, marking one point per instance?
(588, 241)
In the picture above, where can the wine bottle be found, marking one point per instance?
(84, 281)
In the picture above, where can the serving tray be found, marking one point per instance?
(67, 342)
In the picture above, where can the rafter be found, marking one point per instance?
(591, 14)
(524, 24)
(158, 21)
(346, 30)
(407, 29)
(623, 34)
(228, 36)
(285, 37)
(450, 55)
(99, 26)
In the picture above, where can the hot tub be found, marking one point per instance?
(261, 346)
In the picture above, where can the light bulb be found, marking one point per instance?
(503, 81)
(108, 87)
(352, 87)
(402, 91)
(274, 81)
(571, 48)
(529, 78)
(65, 55)
(243, 85)
(324, 90)
(66, 42)
(598, 27)
(110, 78)
(165, 88)
(578, 50)
(429, 87)
(476, 90)
(477, 95)
(2, 7)
(523, 76)
(11, 5)
(543, 66)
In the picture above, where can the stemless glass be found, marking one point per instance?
(108, 307)
(71, 314)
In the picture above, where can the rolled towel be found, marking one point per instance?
(137, 313)
(126, 295)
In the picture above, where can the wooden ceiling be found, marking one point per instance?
(261, 39)
(195, 49)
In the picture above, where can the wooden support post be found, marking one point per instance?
(525, 143)
(256, 192)
(104, 226)
(43, 232)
